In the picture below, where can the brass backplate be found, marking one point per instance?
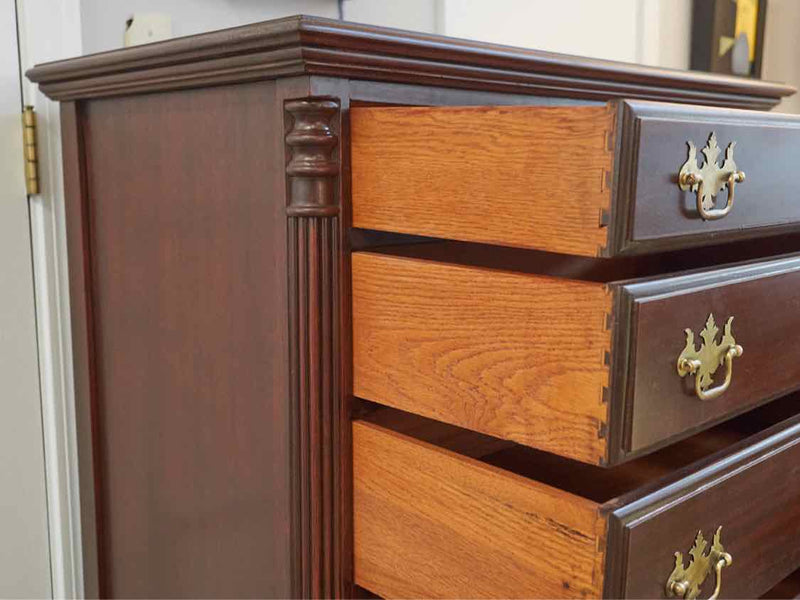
(711, 353)
(685, 582)
(710, 178)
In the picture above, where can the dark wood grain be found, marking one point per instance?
(304, 45)
(189, 288)
(651, 404)
(649, 211)
(752, 490)
(313, 208)
(82, 327)
(787, 589)
(207, 267)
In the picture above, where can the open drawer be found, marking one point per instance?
(572, 362)
(591, 180)
(518, 523)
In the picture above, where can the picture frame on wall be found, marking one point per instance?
(728, 36)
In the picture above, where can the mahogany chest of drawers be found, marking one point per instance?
(365, 312)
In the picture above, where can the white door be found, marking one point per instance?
(24, 546)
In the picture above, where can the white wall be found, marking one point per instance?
(645, 31)
(649, 31)
(103, 21)
(781, 60)
(24, 548)
(415, 15)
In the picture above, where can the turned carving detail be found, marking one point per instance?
(313, 166)
(314, 247)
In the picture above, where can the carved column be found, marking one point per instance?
(313, 208)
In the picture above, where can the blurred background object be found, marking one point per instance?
(145, 28)
(728, 36)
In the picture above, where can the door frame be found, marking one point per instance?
(51, 30)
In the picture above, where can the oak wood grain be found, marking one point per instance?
(430, 523)
(513, 355)
(530, 177)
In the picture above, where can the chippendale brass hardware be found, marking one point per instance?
(704, 362)
(686, 582)
(710, 179)
(30, 151)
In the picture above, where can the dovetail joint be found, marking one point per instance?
(610, 140)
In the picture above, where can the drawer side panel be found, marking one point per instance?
(525, 176)
(512, 355)
(429, 523)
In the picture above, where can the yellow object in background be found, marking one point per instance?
(746, 21)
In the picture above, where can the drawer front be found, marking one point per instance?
(589, 180)
(656, 404)
(753, 494)
(650, 212)
(429, 523)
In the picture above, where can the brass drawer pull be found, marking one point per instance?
(710, 179)
(685, 582)
(703, 363)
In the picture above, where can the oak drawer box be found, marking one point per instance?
(589, 180)
(431, 523)
(584, 369)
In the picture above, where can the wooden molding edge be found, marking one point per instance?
(312, 172)
(302, 45)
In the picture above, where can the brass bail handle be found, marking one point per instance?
(703, 363)
(685, 582)
(707, 181)
(680, 589)
(694, 181)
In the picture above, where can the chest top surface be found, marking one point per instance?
(302, 45)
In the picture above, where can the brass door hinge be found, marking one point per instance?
(30, 151)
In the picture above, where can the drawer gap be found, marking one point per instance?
(787, 588)
(597, 484)
(601, 270)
